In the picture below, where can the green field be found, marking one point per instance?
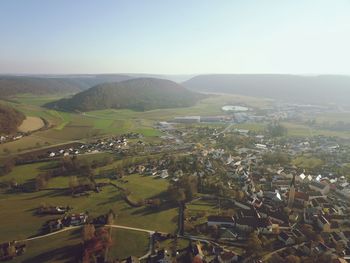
(63, 247)
(301, 130)
(23, 205)
(35, 100)
(128, 243)
(150, 187)
(66, 246)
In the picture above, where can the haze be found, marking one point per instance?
(175, 37)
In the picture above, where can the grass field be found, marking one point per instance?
(143, 187)
(23, 205)
(35, 100)
(209, 206)
(128, 243)
(301, 130)
(63, 247)
(31, 124)
(66, 246)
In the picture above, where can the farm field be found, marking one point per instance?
(31, 124)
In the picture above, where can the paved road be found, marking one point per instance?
(50, 234)
(150, 232)
(132, 228)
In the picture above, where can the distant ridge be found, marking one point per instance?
(137, 94)
(292, 88)
(37, 85)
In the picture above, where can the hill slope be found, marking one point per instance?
(293, 88)
(42, 85)
(137, 94)
(10, 119)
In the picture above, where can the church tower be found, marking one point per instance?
(291, 193)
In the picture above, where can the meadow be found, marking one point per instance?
(24, 205)
(64, 247)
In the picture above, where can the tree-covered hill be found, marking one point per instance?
(10, 119)
(137, 94)
(292, 88)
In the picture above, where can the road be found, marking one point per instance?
(50, 234)
(150, 232)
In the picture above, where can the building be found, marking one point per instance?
(323, 223)
(187, 119)
(221, 221)
(287, 238)
(291, 194)
(322, 188)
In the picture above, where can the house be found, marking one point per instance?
(75, 219)
(249, 224)
(131, 259)
(162, 256)
(164, 174)
(287, 238)
(227, 257)
(53, 210)
(221, 221)
(277, 216)
(19, 249)
(320, 248)
(323, 223)
(322, 188)
(302, 198)
(310, 215)
(178, 173)
(187, 119)
(336, 237)
(53, 225)
(260, 146)
(140, 169)
(255, 202)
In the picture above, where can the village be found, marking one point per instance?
(242, 196)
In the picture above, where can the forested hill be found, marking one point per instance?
(293, 88)
(137, 94)
(14, 85)
(10, 119)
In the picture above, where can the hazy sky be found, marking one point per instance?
(175, 37)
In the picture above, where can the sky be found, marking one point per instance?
(175, 37)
